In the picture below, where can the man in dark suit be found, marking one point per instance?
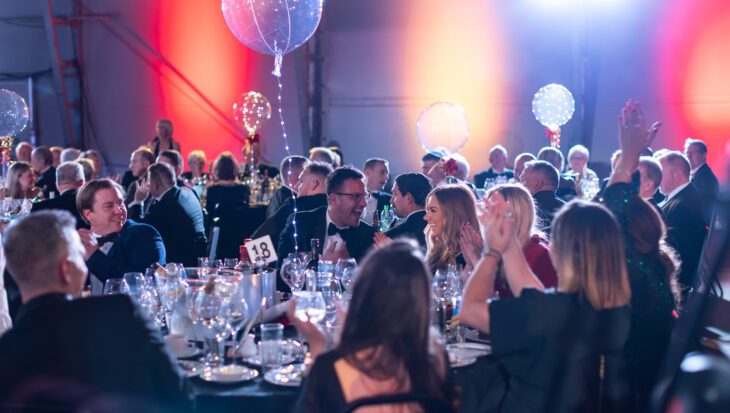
(541, 179)
(291, 168)
(69, 178)
(174, 159)
(337, 226)
(409, 199)
(686, 225)
(650, 177)
(376, 172)
(114, 245)
(42, 162)
(701, 176)
(77, 354)
(498, 160)
(566, 189)
(139, 161)
(311, 195)
(175, 213)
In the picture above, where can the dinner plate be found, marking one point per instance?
(289, 376)
(256, 360)
(469, 349)
(190, 368)
(189, 351)
(229, 374)
(456, 361)
(473, 335)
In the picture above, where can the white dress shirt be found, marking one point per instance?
(328, 239)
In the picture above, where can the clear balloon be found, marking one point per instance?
(251, 110)
(13, 113)
(273, 27)
(553, 105)
(442, 127)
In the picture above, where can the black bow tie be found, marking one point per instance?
(107, 238)
(332, 230)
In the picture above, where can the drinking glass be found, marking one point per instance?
(310, 306)
(135, 281)
(271, 351)
(209, 318)
(115, 286)
(203, 267)
(345, 270)
(230, 263)
(292, 272)
(236, 311)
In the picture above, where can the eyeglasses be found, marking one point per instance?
(355, 197)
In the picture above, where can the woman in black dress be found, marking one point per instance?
(227, 190)
(386, 347)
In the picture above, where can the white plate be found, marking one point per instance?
(229, 374)
(256, 360)
(189, 351)
(289, 376)
(190, 368)
(473, 335)
(456, 361)
(469, 349)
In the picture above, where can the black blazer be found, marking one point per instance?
(47, 182)
(81, 349)
(280, 197)
(481, 178)
(707, 186)
(567, 189)
(225, 196)
(137, 248)
(274, 225)
(313, 224)
(412, 227)
(67, 202)
(178, 217)
(686, 231)
(547, 203)
(383, 199)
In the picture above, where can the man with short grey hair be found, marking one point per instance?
(701, 175)
(80, 353)
(70, 154)
(69, 178)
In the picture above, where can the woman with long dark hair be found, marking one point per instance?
(386, 347)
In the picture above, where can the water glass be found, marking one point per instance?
(310, 306)
(271, 350)
(115, 286)
(203, 267)
(135, 281)
(230, 263)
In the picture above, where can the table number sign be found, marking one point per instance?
(262, 248)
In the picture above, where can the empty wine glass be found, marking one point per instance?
(292, 272)
(209, 318)
(310, 306)
(236, 310)
(203, 267)
(115, 286)
(345, 270)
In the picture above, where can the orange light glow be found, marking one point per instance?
(454, 54)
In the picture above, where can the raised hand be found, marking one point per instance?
(500, 223)
(471, 244)
(142, 190)
(634, 137)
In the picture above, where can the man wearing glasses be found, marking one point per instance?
(337, 226)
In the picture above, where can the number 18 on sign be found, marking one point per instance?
(263, 249)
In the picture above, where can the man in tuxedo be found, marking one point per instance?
(520, 161)
(23, 152)
(650, 177)
(311, 195)
(498, 160)
(686, 225)
(77, 354)
(376, 176)
(701, 176)
(337, 226)
(114, 244)
(139, 161)
(291, 167)
(175, 213)
(409, 199)
(173, 158)
(566, 189)
(42, 162)
(541, 179)
(431, 167)
(69, 178)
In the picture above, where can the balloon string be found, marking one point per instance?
(286, 148)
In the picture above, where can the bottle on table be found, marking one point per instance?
(376, 221)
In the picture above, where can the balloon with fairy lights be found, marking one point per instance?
(442, 127)
(272, 27)
(251, 110)
(13, 119)
(553, 106)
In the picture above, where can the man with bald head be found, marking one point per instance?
(701, 176)
(542, 180)
(686, 224)
(498, 160)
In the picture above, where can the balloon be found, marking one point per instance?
(273, 27)
(251, 110)
(442, 127)
(553, 105)
(13, 113)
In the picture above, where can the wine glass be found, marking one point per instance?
(310, 306)
(292, 272)
(203, 267)
(345, 270)
(115, 286)
(209, 318)
(236, 310)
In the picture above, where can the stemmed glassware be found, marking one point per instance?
(589, 186)
(209, 315)
(115, 286)
(310, 306)
(236, 311)
(292, 272)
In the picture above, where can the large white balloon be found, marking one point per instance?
(13, 113)
(442, 127)
(553, 105)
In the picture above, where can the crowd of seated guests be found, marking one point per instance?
(585, 291)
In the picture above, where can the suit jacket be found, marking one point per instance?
(707, 186)
(686, 231)
(548, 204)
(481, 178)
(138, 247)
(280, 197)
(67, 202)
(412, 227)
(66, 352)
(47, 182)
(566, 189)
(313, 224)
(274, 225)
(178, 217)
(383, 199)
